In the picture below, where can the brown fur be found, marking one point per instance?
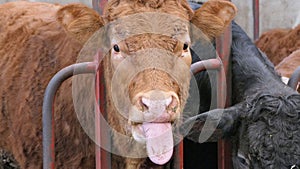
(86, 24)
(119, 8)
(215, 21)
(33, 47)
(30, 34)
(279, 43)
(209, 19)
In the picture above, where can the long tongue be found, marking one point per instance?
(159, 142)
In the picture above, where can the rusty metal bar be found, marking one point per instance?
(48, 108)
(255, 4)
(177, 158)
(294, 79)
(223, 44)
(180, 147)
(103, 158)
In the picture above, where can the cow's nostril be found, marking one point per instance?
(169, 100)
(146, 102)
(143, 105)
(173, 105)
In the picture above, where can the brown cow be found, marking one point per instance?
(279, 43)
(38, 39)
(282, 48)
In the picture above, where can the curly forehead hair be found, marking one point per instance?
(118, 8)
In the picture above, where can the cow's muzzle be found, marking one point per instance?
(151, 119)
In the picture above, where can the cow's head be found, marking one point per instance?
(147, 67)
(265, 131)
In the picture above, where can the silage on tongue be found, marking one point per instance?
(159, 142)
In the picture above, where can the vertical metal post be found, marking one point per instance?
(255, 19)
(97, 121)
(103, 158)
(180, 147)
(224, 94)
(178, 157)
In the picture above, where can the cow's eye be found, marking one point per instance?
(116, 48)
(243, 160)
(185, 46)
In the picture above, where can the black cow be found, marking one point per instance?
(265, 119)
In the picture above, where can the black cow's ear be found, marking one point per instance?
(203, 126)
(214, 16)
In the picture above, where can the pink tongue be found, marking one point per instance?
(159, 142)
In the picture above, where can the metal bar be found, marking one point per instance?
(98, 5)
(48, 109)
(294, 79)
(209, 64)
(180, 147)
(103, 158)
(177, 162)
(97, 123)
(255, 4)
(223, 44)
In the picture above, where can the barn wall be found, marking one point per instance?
(273, 13)
(87, 2)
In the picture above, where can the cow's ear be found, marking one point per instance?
(202, 127)
(214, 16)
(79, 21)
